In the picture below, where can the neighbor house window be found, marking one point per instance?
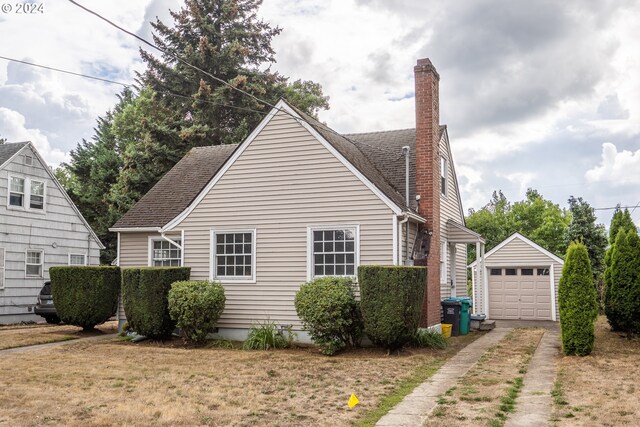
(234, 255)
(165, 254)
(526, 272)
(443, 263)
(443, 176)
(33, 266)
(77, 259)
(334, 251)
(36, 198)
(1, 268)
(28, 160)
(16, 191)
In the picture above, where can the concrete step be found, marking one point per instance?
(487, 325)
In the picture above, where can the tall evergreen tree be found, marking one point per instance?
(621, 221)
(583, 228)
(622, 297)
(577, 302)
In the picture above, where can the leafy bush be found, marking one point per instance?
(391, 304)
(267, 336)
(577, 302)
(144, 295)
(85, 296)
(330, 313)
(196, 307)
(429, 339)
(622, 298)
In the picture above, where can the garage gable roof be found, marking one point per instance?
(525, 240)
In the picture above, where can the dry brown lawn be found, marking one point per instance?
(120, 383)
(476, 398)
(602, 389)
(20, 336)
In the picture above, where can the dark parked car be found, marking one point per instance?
(45, 307)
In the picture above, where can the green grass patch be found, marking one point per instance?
(405, 387)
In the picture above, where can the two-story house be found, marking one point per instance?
(39, 227)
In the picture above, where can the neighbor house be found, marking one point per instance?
(39, 227)
(297, 200)
(518, 279)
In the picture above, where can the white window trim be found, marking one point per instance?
(443, 262)
(160, 239)
(26, 253)
(2, 267)
(312, 228)
(26, 195)
(444, 174)
(212, 256)
(76, 254)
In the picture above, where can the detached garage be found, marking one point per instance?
(520, 281)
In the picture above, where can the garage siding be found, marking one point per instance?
(518, 253)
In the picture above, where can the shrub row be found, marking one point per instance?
(389, 311)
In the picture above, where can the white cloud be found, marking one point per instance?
(616, 168)
(14, 130)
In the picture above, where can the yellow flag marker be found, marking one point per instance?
(353, 401)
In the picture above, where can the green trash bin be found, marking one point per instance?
(465, 314)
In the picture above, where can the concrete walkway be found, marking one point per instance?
(36, 347)
(414, 408)
(535, 404)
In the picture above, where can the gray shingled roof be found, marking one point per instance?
(7, 150)
(177, 188)
(377, 155)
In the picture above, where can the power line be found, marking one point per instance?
(65, 71)
(177, 58)
(616, 207)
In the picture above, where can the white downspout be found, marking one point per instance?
(173, 242)
(404, 220)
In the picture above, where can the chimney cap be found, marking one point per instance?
(425, 65)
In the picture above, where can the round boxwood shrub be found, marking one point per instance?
(196, 307)
(85, 296)
(330, 313)
(391, 302)
(577, 302)
(145, 297)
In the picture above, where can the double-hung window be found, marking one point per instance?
(234, 255)
(16, 191)
(443, 262)
(165, 254)
(1, 268)
(334, 251)
(36, 197)
(33, 265)
(443, 176)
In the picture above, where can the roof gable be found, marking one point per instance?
(337, 145)
(522, 238)
(9, 150)
(29, 146)
(444, 139)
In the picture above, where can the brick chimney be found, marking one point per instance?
(428, 178)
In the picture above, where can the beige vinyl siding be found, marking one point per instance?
(413, 230)
(450, 209)
(285, 181)
(57, 231)
(518, 253)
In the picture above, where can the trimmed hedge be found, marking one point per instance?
(196, 307)
(622, 297)
(330, 313)
(577, 302)
(85, 296)
(144, 295)
(391, 303)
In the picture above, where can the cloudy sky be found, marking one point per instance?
(541, 94)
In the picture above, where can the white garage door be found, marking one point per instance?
(520, 293)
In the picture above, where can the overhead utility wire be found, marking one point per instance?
(60, 70)
(615, 207)
(65, 71)
(177, 58)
